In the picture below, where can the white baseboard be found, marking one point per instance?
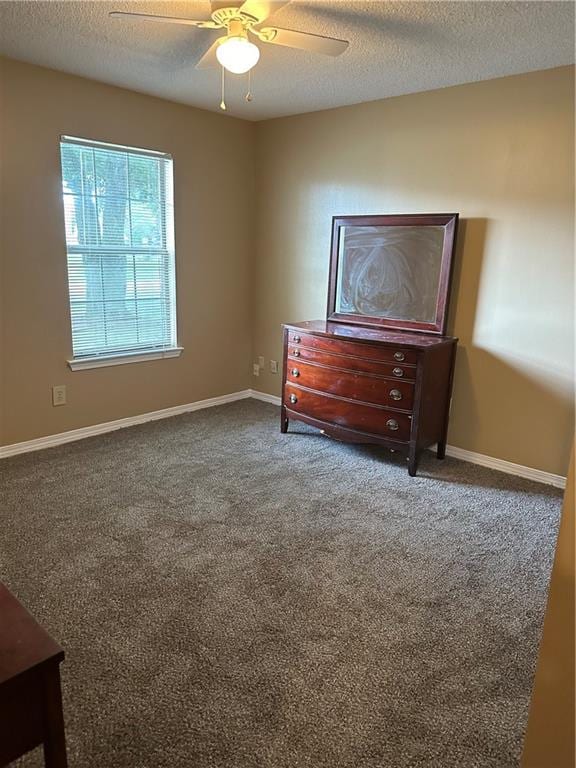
(50, 441)
(508, 467)
(110, 426)
(265, 397)
(538, 475)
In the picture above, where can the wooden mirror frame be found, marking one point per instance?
(447, 220)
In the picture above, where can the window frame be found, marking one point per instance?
(168, 251)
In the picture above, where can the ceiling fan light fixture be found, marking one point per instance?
(237, 54)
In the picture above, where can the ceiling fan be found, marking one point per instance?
(235, 51)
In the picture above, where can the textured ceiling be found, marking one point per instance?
(395, 48)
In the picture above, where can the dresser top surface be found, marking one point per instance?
(361, 333)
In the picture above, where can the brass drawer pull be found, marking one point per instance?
(395, 394)
(296, 339)
(392, 424)
(398, 372)
(293, 399)
(295, 372)
(400, 356)
(296, 352)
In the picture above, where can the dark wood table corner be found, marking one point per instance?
(30, 694)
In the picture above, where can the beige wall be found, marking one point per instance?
(499, 152)
(551, 730)
(214, 173)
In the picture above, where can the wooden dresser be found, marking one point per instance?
(367, 385)
(379, 369)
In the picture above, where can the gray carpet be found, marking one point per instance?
(230, 597)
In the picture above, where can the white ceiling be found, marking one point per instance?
(395, 48)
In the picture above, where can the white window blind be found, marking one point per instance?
(118, 210)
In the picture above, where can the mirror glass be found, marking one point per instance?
(390, 271)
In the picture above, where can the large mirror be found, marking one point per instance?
(392, 271)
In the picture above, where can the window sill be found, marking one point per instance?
(84, 363)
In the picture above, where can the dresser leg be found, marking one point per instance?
(441, 450)
(412, 463)
(54, 738)
(283, 420)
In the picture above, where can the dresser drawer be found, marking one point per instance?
(392, 370)
(356, 386)
(342, 347)
(359, 416)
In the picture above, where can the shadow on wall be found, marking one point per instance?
(513, 394)
(488, 384)
(464, 292)
(466, 277)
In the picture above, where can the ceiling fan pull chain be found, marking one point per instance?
(223, 103)
(249, 94)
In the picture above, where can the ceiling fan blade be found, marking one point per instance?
(304, 40)
(209, 59)
(164, 19)
(261, 9)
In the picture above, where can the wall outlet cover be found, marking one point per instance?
(256, 369)
(274, 366)
(59, 395)
(261, 361)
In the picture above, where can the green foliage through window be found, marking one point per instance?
(120, 242)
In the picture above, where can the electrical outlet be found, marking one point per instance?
(261, 362)
(273, 366)
(59, 395)
(256, 369)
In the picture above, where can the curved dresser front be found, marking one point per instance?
(369, 385)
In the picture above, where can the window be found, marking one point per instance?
(118, 211)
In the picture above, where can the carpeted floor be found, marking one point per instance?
(230, 597)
